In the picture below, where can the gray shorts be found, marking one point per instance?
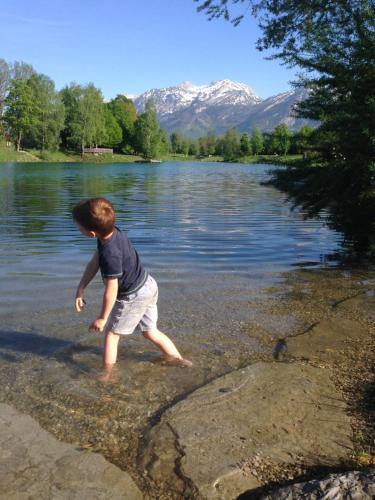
(137, 309)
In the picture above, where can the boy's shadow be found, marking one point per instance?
(16, 347)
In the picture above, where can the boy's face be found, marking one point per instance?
(86, 232)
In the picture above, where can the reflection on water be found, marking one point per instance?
(215, 217)
(215, 239)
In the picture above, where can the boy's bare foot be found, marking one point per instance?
(106, 374)
(184, 363)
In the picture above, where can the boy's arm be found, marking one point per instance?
(88, 274)
(109, 298)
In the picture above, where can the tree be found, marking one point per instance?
(245, 144)
(231, 146)
(193, 148)
(45, 133)
(257, 141)
(124, 111)
(21, 111)
(176, 142)
(148, 132)
(164, 143)
(88, 127)
(113, 131)
(280, 140)
(21, 70)
(4, 86)
(302, 139)
(207, 145)
(70, 96)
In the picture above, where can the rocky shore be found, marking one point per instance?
(300, 416)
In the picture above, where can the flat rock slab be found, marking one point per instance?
(34, 465)
(352, 485)
(284, 412)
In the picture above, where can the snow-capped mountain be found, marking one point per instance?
(195, 110)
(219, 93)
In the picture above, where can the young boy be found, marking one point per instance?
(130, 293)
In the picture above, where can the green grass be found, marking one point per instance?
(8, 154)
(274, 159)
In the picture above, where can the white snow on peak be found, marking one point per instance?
(219, 93)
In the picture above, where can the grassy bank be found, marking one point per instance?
(8, 154)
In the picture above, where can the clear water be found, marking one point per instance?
(217, 241)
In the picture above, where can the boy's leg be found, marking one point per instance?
(110, 349)
(166, 345)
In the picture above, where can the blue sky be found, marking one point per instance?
(129, 46)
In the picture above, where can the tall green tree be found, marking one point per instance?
(88, 127)
(231, 146)
(21, 110)
(207, 145)
(70, 96)
(4, 87)
(280, 140)
(245, 144)
(303, 139)
(45, 133)
(113, 131)
(124, 111)
(176, 142)
(257, 141)
(147, 132)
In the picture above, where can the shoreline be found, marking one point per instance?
(32, 156)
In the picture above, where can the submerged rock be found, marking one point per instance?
(286, 413)
(351, 485)
(34, 465)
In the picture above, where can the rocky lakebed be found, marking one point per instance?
(278, 405)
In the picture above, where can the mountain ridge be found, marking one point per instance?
(195, 110)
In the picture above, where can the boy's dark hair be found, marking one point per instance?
(95, 214)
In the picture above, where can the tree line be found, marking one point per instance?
(233, 145)
(33, 114)
(37, 116)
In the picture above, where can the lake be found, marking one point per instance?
(223, 248)
(183, 218)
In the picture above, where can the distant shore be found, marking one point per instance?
(8, 155)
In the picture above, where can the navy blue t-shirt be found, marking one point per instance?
(119, 259)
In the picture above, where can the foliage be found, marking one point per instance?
(279, 140)
(303, 140)
(148, 132)
(257, 141)
(45, 134)
(207, 145)
(245, 144)
(113, 130)
(231, 145)
(125, 114)
(88, 126)
(21, 111)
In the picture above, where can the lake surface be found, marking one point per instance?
(220, 244)
(184, 218)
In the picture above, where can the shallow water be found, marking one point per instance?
(218, 242)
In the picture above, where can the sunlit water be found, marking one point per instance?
(213, 236)
(183, 218)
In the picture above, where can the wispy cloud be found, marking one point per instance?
(37, 21)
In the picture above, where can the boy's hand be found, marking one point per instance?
(80, 303)
(98, 325)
